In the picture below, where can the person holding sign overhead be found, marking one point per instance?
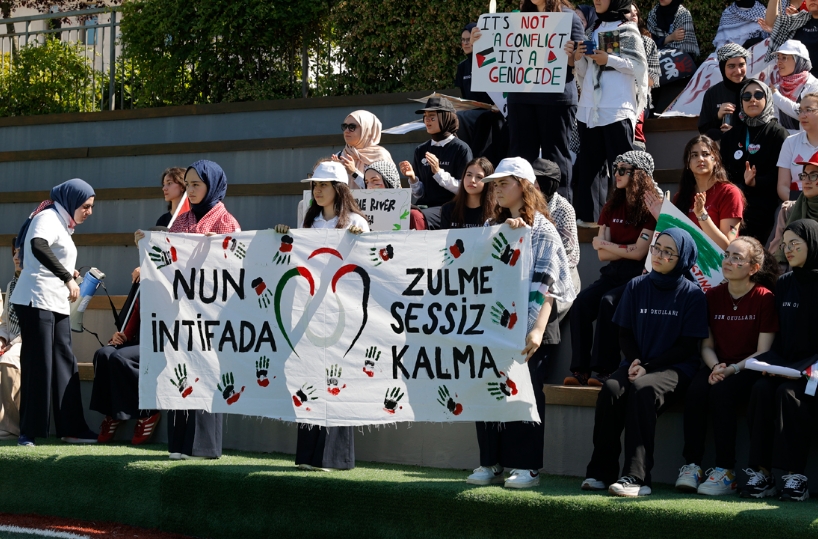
(362, 133)
(519, 444)
(614, 92)
(780, 414)
(328, 448)
(438, 163)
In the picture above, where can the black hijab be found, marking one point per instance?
(617, 11)
(806, 281)
(746, 4)
(448, 125)
(665, 15)
(807, 230)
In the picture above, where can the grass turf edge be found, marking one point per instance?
(255, 495)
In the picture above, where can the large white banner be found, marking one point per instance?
(707, 269)
(330, 328)
(521, 52)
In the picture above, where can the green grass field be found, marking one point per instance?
(263, 495)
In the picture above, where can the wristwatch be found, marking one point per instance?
(355, 175)
(703, 216)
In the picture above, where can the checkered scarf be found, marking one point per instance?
(684, 20)
(388, 172)
(735, 17)
(637, 159)
(784, 29)
(731, 50)
(14, 322)
(218, 221)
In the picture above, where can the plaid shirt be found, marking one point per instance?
(218, 221)
(652, 53)
(785, 28)
(684, 20)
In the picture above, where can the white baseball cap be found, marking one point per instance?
(513, 166)
(329, 171)
(795, 48)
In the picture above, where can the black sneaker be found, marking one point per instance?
(758, 485)
(796, 488)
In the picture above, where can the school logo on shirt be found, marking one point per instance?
(734, 318)
(663, 312)
(792, 304)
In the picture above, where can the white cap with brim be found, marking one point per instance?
(513, 166)
(794, 48)
(329, 171)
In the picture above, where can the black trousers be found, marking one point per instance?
(719, 403)
(325, 447)
(518, 444)
(598, 350)
(542, 128)
(795, 421)
(116, 383)
(634, 407)
(761, 419)
(484, 131)
(598, 148)
(195, 432)
(49, 375)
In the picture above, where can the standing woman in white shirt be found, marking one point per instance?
(328, 448)
(614, 91)
(42, 298)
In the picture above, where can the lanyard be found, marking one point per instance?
(747, 143)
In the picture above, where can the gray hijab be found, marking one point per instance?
(767, 114)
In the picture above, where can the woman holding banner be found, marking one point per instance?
(743, 323)
(42, 298)
(780, 414)
(328, 448)
(750, 154)
(362, 134)
(196, 434)
(519, 444)
(662, 318)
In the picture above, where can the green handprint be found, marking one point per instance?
(372, 355)
(500, 315)
(381, 255)
(228, 393)
(235, 247)
(181, 380)
(503, 389)
(163, 258)
(446, 400)
(333, 375)
(304, 395)
(282, 256)
(262, 366)
(391, 400)
(504, 252)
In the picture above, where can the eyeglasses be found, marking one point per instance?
(806, 110)
(811, 177)
(622, 171)
(733, 259)
(791, 246)
(657, 251)
(350, 127)
(758, 94)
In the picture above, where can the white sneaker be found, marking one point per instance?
(523, 479)
(192, 457)
(628, 487)
(593, 484)
(310, 468)
(586, 224)
(175, 456)
(690, 477)
(720, 481)
(487, 475)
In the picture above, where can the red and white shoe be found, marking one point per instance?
(107, 429)
(145, 428)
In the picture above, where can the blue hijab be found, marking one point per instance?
(70, 195)
(688, 253)
(216, 181)
(590, 15)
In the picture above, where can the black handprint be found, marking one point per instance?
(372, 355)
(235, 247)
(391, 400)
(500, 315)
(445, 399)
(381, 255)
(262, 366)
(453, 251)
(504, 252)
(283, 254)
(265, 297)
(163, 258)
(505, 388)
(181, 380)
(333, 380)
(304, 395)
(228, 393)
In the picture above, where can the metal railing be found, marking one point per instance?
(88, 29)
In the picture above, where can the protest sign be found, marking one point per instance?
(707, 269)
(329, 328)
(521, 52)
(385, 209)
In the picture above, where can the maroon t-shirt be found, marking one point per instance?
(724, 201)
(623, 230)
(735, 332)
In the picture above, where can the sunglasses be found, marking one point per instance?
(758, 94)
(349, 127)
(622, 171)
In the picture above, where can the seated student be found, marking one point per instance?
(564, 218)
(795, 82)
(705, 193)
(739, 24)
(438, 163)
(10, 344)
(474, 202)
(801, 26)
(797, 148)
(483, 130)
(115, 393)
(743, 323)
(384, 175)
(750, 152)
(724, 97)
(806, 206)
(519, 444)
(328, 448)
(671, 25)
(780, 416)
(663, 318)
(625, 231)
(362, 134)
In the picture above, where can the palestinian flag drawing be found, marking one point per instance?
(483, 57)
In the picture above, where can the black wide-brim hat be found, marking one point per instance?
(439, 104)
